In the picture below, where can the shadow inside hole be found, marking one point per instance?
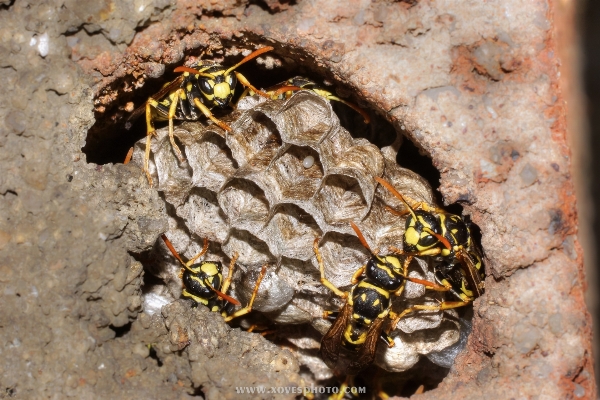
(409, 156)
(153, 355)
(121, 331)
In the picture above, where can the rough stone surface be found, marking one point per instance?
(474, 84)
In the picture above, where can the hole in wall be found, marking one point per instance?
(153, 355)
(121, 331)
(108, 142)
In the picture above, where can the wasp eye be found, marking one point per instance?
(205, 86)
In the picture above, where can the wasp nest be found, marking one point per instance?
(286, 174)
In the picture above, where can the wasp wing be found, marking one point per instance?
(366, 353)
(472, 273)
(165, 90)
(331, 342)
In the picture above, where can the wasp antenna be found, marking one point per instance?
(249, 57)
(202, 252)
(353, 106)
(284, 89)
(128, 156)
(439, 237)
(170, 246)
(362, 239)
(223, 295)
(193, 71)
(389, 187)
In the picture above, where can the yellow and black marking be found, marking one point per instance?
(285, 90)
(359, 324)
(203, 283)
(433, 232)
(192, 95)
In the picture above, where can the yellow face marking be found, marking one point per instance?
(222, 90)
(209, 269)
(411, 236)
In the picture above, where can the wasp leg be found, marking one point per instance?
(262, 330)
(246, 92)
(242, 79)
(324, 280)
(248, 308)
(445, 305)
(396, 250)
(229, 273)
(357, 274)
(348, 383)
(172, 109)
(387, 338)
(407, 262)
(149, 132)
(208, 114)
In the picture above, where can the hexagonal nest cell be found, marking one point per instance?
(290, 171)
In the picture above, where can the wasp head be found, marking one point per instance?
(418, 231)
(219, 88)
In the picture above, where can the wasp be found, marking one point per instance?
(195, 92)
(203, 283)
(285, 90)
(359, 324)
(433, 232)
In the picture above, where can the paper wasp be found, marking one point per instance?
(433, 232)
(359, 324)
(203, 283)
(193, 93)
(284, 90)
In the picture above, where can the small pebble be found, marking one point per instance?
(579, 390)
(528, 175)
(308, 162)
